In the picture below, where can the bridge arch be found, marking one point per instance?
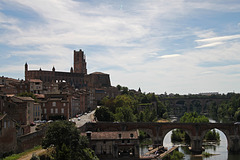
(169, 132)
(224, 131)
(165, 132)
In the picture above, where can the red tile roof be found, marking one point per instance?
(35, 80)
(115, 135)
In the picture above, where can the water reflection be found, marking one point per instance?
(219, 150)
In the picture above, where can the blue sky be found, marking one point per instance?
(173, 46)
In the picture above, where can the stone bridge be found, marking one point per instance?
(158, 131)
(188, 101)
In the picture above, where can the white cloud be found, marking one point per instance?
(222, 38)
(134, 44)
(169, 56)
(214, 41)
(210, 45)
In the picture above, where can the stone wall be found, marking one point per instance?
(30, 140)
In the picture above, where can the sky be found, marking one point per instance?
(172, 46)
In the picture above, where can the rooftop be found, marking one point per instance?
(35, 80)
(115, 135)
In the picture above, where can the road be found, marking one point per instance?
(89, 117)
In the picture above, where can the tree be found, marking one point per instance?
(103, 114)
(237, 115)
(193, 117)
(124, 90)
(68, 143)
(125, 114)
(212, 136)
(119, 87)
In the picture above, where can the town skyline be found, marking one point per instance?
(175, 47)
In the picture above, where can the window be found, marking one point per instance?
(128, 141)
(5, 124)
(119, 135)
(62, 110)
(131, 135)
(43, 104)
(51, 110)
(56, 110)
(122, 141)
(45, 111)
(64, 104)
(54, 104)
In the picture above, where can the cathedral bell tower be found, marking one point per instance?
(79, 62)
(26, 71)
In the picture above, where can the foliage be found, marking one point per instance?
(49, 154)
(34, 157)
(104, 114)
(67, 141)
(130, 107)
(228, 109)
(28, 94)
(143, 135)
(212, 136)
(175, 155)
(124, 114)
(206, 154)
(177, 135)
(193, 117)
(237, 115)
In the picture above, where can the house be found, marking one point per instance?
(55, 106)
(36, 86)
(115, 144)
(8, 138)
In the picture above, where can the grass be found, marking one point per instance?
(19, 155)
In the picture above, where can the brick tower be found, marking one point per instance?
(79, 62)
(26, 71)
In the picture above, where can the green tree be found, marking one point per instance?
(193, 117)
(212, 136)
(124, 90)
(237, 115)
(66, 139)
(125, 114)
(119, 87)
(104, 114)
(176, 155)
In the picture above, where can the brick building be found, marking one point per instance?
(55, 106)
(35, 86)
(8, 138)
(77, 76)
(19, 109)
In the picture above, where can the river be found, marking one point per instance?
(219, 150)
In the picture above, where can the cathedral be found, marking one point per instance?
(77, 76)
